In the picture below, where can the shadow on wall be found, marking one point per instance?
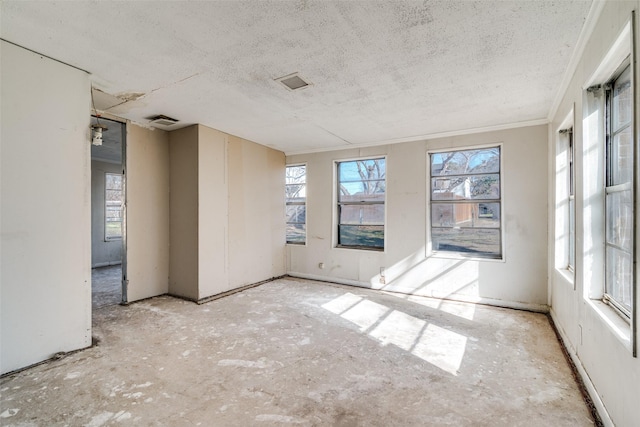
(432, 277)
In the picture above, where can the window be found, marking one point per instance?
(113, 206)
(361, 197)
(296, 203)
(465, 200)
(619, 192)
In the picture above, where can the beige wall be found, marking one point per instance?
(256, 212)
(147, 192)
(102, 252)
(183, 258)
(212, 212)
(45, 278)
(227, 212)
(519, 280)
(596, 337)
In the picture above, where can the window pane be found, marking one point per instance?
(365, 215)
(296, 174)
(114, 196)
(361, 235)
(622, 157)
(361, 181)
(465, 162)
(296, 214)
(113, 205)
(466, 187)
(622, 106)
(369, 191)
(296, 233)
(619, 276)
(113, 230)
(296, 197)
(619, 220)
(476, 241)
(572, 232)
(359, 170)
(476, 215)
(295, 192)
(113, 181)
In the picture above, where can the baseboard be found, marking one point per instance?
(584, 376)
(235, 290)
(106, 264)
(538, 308)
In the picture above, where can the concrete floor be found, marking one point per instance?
(297, 352)
(106, 286)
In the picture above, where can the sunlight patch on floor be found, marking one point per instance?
(436, 345)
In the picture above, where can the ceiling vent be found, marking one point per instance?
(162, 120)
(293, 82)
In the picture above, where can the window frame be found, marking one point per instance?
(107, 237)
(296, 203)
(340, 204)
(611, 188)
(501, 231)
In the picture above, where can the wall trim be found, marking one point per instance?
(538, 308)
(588, 385)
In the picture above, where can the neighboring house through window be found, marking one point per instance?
(361, 199)
(296, 203)
(465, 202)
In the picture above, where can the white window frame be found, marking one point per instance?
(338, 205)
(611, 188)
(107, 204)
(460, 254)
(298, 203)
(565, 199)
(593, 156)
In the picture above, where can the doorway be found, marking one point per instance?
(108, 224)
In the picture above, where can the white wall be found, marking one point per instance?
(256, 212)
(598, 339)
(102, 252)
(147, 192)
(520, 280)
(45, 290)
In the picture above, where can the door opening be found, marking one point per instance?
(108, 215)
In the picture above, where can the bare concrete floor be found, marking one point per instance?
(106, 286)
(297, 352)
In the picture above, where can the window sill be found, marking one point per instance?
(458, 256)
(360, 248)
(296, 244)
(568, 275)
(619, 326)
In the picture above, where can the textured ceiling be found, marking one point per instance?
(380, 71)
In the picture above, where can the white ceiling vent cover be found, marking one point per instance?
(162, 120)
(293, 82)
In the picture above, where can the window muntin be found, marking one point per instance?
(296, 204)
(113, 206)
(619, 196)
(465, 198)
(361, 199)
